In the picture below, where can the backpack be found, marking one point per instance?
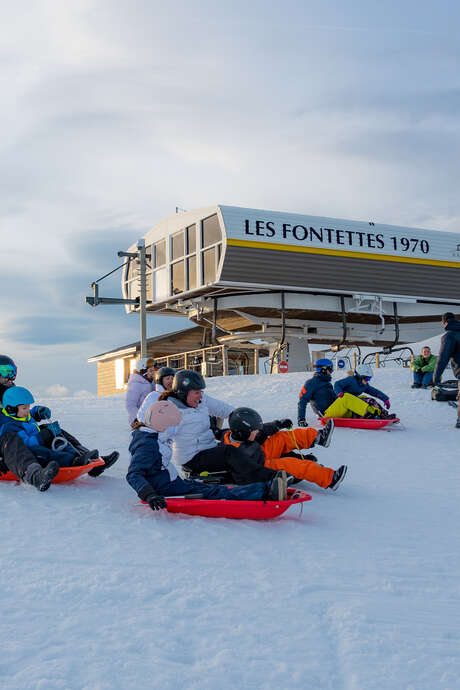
(448, 390)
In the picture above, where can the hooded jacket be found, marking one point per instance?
(426, 365)
(319, 390)
(353, 385)
(138, 389)
(450, 349)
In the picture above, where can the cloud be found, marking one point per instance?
(57, 391)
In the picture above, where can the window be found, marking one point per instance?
(191, 272)
(177, 277)
(177, 245)
(119, 373)
(211, 231)
(209, 265)
(191, 239)
(159, 254)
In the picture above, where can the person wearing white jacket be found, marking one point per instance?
(140, 384)
(194, 433)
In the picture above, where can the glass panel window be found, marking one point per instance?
(119, 373)
(160, 284)
(191, 265)
(177, 277)
(191, 239)
(159, 254)
(211, 231)
(177, 245)
(209, 265)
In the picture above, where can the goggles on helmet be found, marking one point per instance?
(8, 371)
(366, 378)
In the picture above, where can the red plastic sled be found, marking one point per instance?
(359, 423)
(65, 474)
(236, 510)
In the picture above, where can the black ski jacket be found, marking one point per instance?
(450, 349)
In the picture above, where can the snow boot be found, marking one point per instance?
(85, 458)
(278, 487)
(324, 435)
(109, 460)
(41, 477)
(457, 426)
(416, 385)
(338, 477)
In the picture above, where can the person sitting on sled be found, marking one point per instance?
(153, 476)
(423, 367)
(359, 384)
(51, 433)
(250, 445)
(318, 391)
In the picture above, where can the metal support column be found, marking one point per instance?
(143, 295)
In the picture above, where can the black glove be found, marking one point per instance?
(302, 422)
(285, 423)
(155, 501)
(40, 412)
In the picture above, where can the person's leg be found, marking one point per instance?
(458, 406)
(346, 405)
(20, 460)
(427, 378)
(209, 460)
(417, 378)
(285, 441)
(249, 492)
(303, 469)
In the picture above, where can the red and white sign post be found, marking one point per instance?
(283, 367)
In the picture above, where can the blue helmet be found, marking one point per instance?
(14, 396)
(323, 364)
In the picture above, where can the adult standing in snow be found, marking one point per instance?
(16, 452)
(423, 367)
(140, 384)
(449, 350)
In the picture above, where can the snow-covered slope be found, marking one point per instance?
(359, 592)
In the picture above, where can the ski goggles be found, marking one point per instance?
(8, 371)
(367, 378)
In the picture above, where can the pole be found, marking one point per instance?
(143, 295)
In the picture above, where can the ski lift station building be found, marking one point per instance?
(288, 280)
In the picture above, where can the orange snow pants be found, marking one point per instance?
(286, 441)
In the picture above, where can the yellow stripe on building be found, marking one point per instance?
(337, 252)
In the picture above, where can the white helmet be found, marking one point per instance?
(143, 363)
(363, 370)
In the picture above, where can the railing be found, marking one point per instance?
(217, 360)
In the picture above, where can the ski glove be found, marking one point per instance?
(39, 412)
(302, 422)
(155, 501)
(387, 403)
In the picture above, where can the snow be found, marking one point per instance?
(359, 592)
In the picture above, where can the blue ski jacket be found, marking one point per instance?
(353, 385)
(26, 429)
(450, 349)
(319, 390)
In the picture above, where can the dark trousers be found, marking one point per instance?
(48, 437)
(228, 458)
(15, 454)
(182, 487)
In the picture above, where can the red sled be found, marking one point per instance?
(235, 510)
(359, 423)
(65, 474)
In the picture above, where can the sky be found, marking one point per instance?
(114, 113)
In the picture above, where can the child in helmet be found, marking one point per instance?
(257, 445)
(16, 417)
(318, 391)
(8, 371)
(140, 384)
(359, 384)
(153, 476)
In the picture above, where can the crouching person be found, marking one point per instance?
(153, 476)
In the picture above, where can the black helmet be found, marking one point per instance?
(8, 368)
(242, 421)
(187, 380)
(163, 371)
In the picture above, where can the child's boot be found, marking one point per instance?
(109, 460)
(41, 477)
(278, 487)
(324, 435)
(338, 477)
